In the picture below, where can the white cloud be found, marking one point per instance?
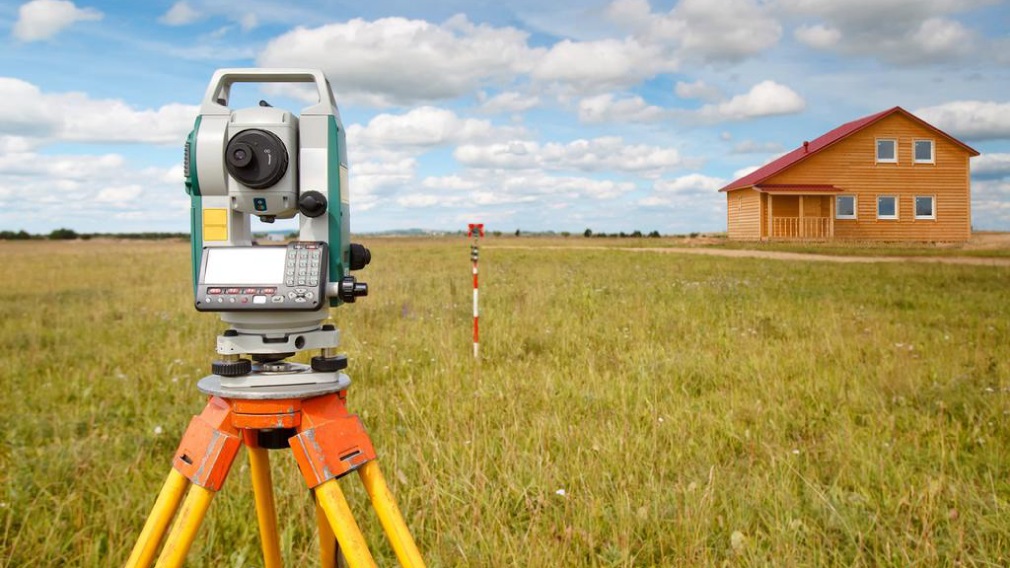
(904, 32)
(754, 147)
(372, 178)
(607, 108)
(453, 182)
(688, 184)
(724, 30)
(180, 14)
(29, 113)
(767, 98)
(990, 204)
(709, 30)
(400, 61)
(248, 21)
(818, 36)
(507, 102)
(492, 188)
(943, 38)
(970, 120)
(45, 191)
(691, 192)
(609, 153)
(414, 200)
(745, 171)
(118, 194)
(602, 64)
(994, 165)
(44, 19)
(424, 127)
(698, 90)
(632, 14)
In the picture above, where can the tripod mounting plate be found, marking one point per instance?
(212, 385)
(283, 342)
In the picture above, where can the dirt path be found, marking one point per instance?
(775, 255)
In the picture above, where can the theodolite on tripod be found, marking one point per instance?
(272, 164)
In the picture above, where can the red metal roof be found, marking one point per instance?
(810, 148)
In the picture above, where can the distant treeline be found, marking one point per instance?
(70, 235)
(587, 233)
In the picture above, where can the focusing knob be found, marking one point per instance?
(256, 158)
(312, 204)
(231, 368)
(350, 289)
(360, 256)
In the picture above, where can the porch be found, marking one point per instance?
(797, 212)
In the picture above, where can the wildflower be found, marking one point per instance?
(737, 540)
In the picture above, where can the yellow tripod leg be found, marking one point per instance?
(390, 517)
(352, 542)
(194, 509)
(158, 521)
(327, 540)
(266, 514)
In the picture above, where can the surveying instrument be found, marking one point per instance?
(272, 164)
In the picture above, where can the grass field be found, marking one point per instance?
(629, 409)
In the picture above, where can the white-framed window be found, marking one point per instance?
(845, 207)
(922, 152)
(887, 151)
(887, 207)
(925, 207)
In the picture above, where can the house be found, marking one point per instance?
(889, 176)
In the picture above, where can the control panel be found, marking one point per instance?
(284, 278)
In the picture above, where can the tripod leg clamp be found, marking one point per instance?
(209, 446)
(330, 442)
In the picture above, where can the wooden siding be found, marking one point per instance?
(851, 166)
(743, 214)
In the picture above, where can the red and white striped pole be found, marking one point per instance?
(475, 230)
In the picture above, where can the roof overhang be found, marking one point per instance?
(798, 189)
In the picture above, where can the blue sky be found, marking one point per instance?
(614, 115)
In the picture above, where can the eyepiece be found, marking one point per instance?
(241, 155)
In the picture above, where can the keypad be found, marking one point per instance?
(304, 271)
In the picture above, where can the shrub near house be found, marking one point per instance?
(889, 176)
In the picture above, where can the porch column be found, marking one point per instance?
(802, 229)
(831, 217)
(771, 223)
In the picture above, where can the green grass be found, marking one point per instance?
(696, 411)
(982, 245)
(843, 248)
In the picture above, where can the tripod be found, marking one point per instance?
(327, 443)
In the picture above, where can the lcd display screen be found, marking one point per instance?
(245, 266)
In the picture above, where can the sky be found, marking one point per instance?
(615, 115)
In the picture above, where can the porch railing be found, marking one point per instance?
(801, 227)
